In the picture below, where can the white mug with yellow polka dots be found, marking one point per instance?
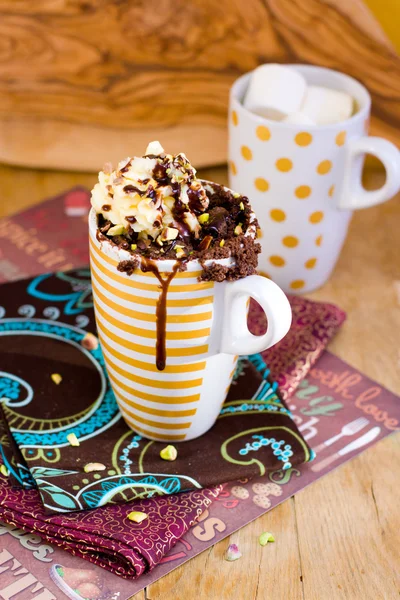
(205, 330)
(305, 181)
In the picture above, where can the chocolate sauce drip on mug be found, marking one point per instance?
(148, 265)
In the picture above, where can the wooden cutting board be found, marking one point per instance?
(85, 81)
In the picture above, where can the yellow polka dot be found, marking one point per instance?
(264, 274)
(290, 241)
(277, 214)
(235, 118)
(259, 233)
(277, 261)
(310, 263)
(261, 184)
(316, 216)
(318, 240)
(284, 164)
(246, 153)
(331, 190)
(297, 284)
(340, 138)
(303, 138)
(324, 167)
(303, 191)
(263, 133)
(233, 168)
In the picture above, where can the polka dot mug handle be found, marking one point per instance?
(354, 195)
(236, 337)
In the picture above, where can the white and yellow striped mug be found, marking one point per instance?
(206, 330)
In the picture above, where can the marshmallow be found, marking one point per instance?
(275, 91)
(298, 118)
(325, 106)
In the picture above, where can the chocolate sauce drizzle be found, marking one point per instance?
(148, 265)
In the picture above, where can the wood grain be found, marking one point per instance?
(83, 81)
(258, 571)
(337, 539)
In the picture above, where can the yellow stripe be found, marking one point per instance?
(155, 383)
(159, 424)
(178, 413)
(158, 413)
(187, 368)
(149, 287)
(152, 434)
(150, 350)
(114, 263)
(150, 317)
(160, 399)
(151, 301)
(148, 333)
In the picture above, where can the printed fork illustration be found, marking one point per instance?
(348, 429)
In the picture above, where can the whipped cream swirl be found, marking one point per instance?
(157, 196)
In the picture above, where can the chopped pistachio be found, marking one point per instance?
(168, 234)
(203, 218)
(222, 243)
(94, 467)
(90, 341)
(236, 195)
(72, 439)
(133, 246)
(116, 230)
(179, 251)
(238, 229)
(136, 516)
(233, 553)
(4, 471)
(241, 206)
(56, 377)
(108, 168)
(169, 453)
(265, 538)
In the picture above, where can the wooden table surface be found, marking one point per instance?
(339, 538)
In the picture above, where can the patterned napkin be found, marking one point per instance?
(42, 327)
(105, 536)
(313, 325)
(52, 386)
(43, 310)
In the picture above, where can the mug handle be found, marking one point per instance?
(353, 194)
(236, 337)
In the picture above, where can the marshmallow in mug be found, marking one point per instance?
(298, 118)
(275, 92)
(281, 93)
(325, 106)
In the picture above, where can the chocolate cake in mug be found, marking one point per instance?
(173, 262)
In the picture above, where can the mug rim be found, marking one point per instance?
(162, 264)
(304, 68)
